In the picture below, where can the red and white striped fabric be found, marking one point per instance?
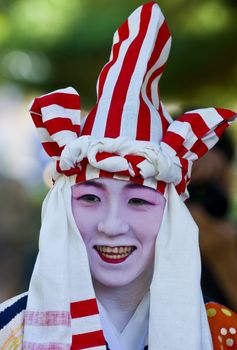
(127, 89)
(62, 312)
(128, 135)
(129, 106)
(82, 322)
(57, 118)
(191, 136)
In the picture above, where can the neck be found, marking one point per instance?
(121, 302)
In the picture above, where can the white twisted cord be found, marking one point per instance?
(157, 162)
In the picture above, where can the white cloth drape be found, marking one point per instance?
(61, 275)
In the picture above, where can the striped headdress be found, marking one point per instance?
(129, 110)
(127, 135)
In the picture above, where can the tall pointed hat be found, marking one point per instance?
(128, 135)
(129, 110)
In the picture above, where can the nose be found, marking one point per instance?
(113, 223)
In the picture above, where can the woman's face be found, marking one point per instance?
(119, 222)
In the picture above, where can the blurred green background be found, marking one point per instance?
(50, 44)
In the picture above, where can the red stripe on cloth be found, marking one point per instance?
(58, 168)
(66, 100)
(37, 119)
(49, 346)
(81, 177)
(180, 188)
(184, 164)
(165, 123)
(182, 151)
(227, 114)
(161, 187)
(173, 140)
(199, 148)
(84, 308)
(104, 155)
(48, 318)
(69, 172)
(105, 174)
(87, 340)
(134, 161)
(52, 149)
(143, 122)
(87, 128)
(154, 75)
(123, 33)
(137, 179)
(162, 38)
(221, 128)
(35, 107)
(197, 123)
(77, 129)
(59, 124)
(122, 84)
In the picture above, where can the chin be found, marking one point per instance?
(115, 281)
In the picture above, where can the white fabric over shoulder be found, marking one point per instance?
(57, 280)
(177, 246)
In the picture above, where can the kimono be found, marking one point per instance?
(222, 322)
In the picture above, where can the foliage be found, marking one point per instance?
(49, 44)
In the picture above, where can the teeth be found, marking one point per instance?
(114, 257)
(120, 252)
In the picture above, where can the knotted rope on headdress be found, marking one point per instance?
(57, 118)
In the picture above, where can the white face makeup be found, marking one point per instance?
(119, 222)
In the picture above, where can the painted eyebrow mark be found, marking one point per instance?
(101, 185)
(133, 185)
(137, 186)
(129, 185)
(93, 183)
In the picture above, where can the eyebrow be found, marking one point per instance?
(129, 185)
(134, 185)
(101, 185)
(93, 183)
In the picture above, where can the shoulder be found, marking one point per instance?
(223, 326)
(11, 308)
(11, 321)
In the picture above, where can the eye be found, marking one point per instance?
(89, 198)
(138, 201)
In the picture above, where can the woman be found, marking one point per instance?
(112, 217)
(102, 279)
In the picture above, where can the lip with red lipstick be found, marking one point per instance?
(114, 255)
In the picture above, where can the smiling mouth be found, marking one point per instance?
(114, 255)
